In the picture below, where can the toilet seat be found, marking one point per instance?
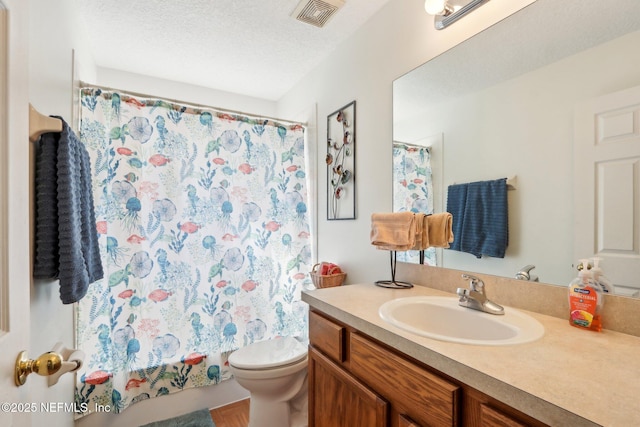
(269, 354)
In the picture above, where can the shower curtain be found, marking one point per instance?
(413, 189)
(203, 224)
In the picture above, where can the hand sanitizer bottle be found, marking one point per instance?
(585, 300)
(599, 278)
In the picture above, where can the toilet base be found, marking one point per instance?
(299, 407)
(272, 413)
(289, 411)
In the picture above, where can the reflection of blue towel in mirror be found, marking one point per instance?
(480, 217)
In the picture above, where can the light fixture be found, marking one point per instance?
(437, 7)
(449, 11)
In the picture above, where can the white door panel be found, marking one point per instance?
(15, 274)
(607, 184)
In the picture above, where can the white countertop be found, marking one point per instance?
(569, 377)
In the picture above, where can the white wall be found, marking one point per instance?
(137, 83)
(397, 39)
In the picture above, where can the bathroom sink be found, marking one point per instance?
(443, 319)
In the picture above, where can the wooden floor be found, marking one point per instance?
(232, 415)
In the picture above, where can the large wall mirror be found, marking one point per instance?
(504, 105)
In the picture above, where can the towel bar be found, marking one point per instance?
(512, 182)
(39, 124)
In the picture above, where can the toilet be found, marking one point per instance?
(275, 374)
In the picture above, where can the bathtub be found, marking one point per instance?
(172, 405)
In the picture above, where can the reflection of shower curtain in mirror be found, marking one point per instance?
(203, 224)
(413, 189)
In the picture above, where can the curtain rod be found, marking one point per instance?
(190, 104)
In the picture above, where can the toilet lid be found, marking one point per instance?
(268, 354)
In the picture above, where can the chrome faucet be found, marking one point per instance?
(524, 273)
(474, 297)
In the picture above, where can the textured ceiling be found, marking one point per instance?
(249, 47)
(540, 34)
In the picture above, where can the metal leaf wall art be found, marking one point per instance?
(341, 163)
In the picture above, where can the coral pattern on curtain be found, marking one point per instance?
(413, 189)
(203, 223)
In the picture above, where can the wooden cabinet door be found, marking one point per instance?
(336, 399)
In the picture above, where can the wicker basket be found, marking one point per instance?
(326, 281)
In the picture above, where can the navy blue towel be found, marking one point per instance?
(66, 237)
(480, 217)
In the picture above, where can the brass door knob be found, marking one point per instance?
(47, 364)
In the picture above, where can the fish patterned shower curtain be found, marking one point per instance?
(413, 189)
(204, 231)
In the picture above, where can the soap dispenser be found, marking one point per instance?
(599, 278)
(585, 300)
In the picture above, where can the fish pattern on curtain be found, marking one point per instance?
(413, 189)
(204, 232)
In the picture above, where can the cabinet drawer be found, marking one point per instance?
(327, 336)
(426, 398)
(493, 418)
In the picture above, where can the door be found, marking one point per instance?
(607, 185)
(15, 274)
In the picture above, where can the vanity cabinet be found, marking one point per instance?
(356, 381)
(339, 400)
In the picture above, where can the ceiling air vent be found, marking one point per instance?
(316, 12)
